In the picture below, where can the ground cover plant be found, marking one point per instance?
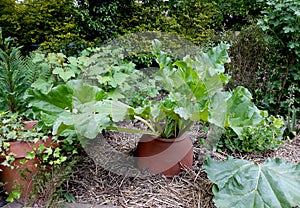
(267, 135)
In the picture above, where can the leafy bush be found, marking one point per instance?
(196, 19)
(254, 68)
(140, 20)
(57, 67)
(237, 14)
(267, 135)
(281, 23)
(141, 60)
(195, 92)
(91, 23)
(245, 63)
(109, 69)
(49, 24)
(99, 19)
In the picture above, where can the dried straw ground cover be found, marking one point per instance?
(93, 184)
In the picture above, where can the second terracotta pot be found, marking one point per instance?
(21, 177)
(164, 156)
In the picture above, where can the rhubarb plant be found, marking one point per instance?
(193, 92)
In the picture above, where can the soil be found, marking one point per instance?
(115, 184)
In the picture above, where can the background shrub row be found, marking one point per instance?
(264, 35)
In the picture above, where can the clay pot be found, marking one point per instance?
(22, 176)
(30, 124)
(164, 156)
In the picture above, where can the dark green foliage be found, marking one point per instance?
(58, 30)
(7, 21)
(47, 24)
(197, 20)
(263, 71)
(282, 26)
(149, 16)
(238, 13)
(142, 60)
(193, 20)
(61, 26)
(97, 20)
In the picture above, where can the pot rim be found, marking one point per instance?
(177, 139)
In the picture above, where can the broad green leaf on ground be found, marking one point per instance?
(243, 184)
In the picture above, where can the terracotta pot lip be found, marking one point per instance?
(20, 148)
(30, 124)
(22, 142)
(31, 121)
(177, 139)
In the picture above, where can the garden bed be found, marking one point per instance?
(91, 183)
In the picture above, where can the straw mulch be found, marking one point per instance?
(94, 183)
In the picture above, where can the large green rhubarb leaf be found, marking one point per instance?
(241, 111)
(214, 59)
(243, 184)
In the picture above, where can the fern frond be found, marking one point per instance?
(15, 79)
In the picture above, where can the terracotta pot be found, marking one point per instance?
(22, 176)
(30, 124)
(164, 156)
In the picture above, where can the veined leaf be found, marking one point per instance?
(118, 79)
(90, 125)
(62, 122)
(84, 95)
(63, 73)
(241, 112)
(43, 85)
(117, 110)
(54, 102)
(218, 109)
(215, 59)
(243, 184)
